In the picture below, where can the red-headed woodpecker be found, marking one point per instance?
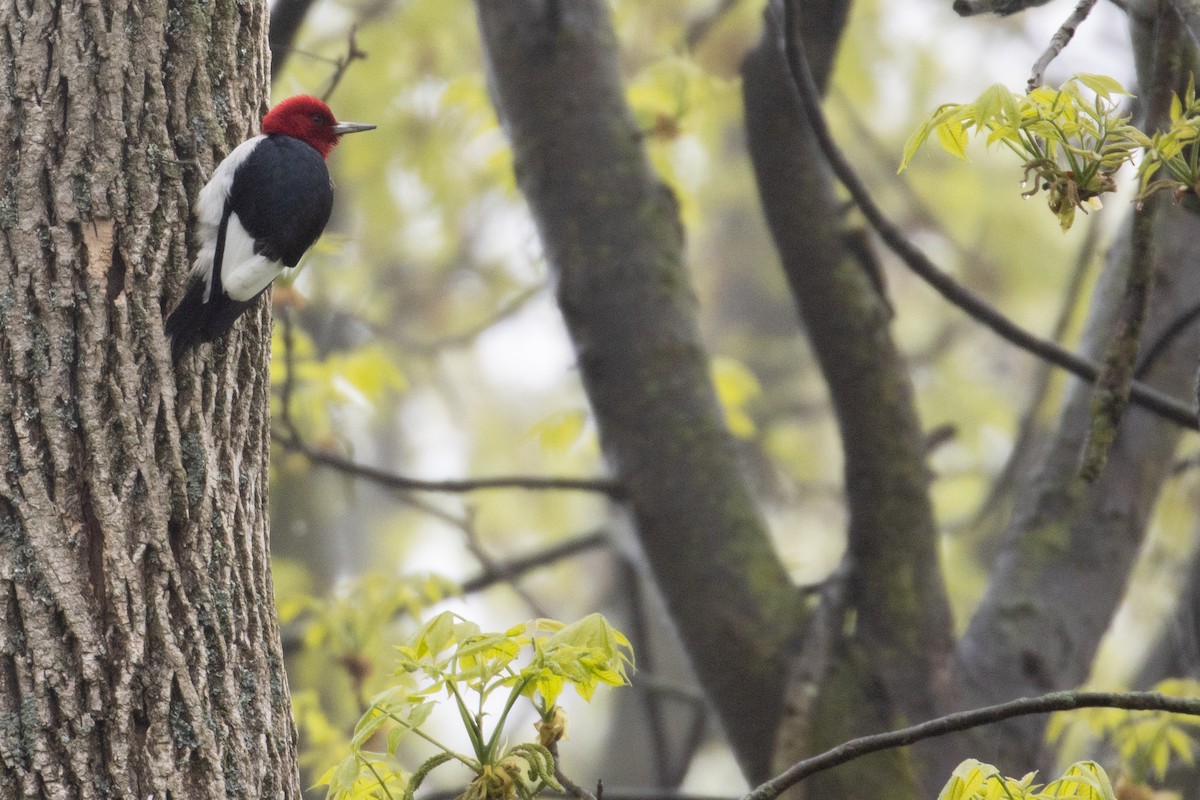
(265, 204)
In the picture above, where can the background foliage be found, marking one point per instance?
(425, 341)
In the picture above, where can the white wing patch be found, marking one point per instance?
(244, 273)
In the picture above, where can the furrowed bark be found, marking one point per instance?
(139, 654)
(889, 667)
(612, 234)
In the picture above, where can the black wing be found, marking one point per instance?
(283, 197)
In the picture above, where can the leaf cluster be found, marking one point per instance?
(451, 657)
(1173, 152)
(975, 780)
(1071, 142)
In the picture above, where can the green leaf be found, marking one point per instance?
(913, 144)
(1102, 85)
(560, 431)
(952, 136)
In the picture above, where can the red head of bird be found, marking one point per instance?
(308, 119)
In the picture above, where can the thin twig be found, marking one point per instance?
(353, 53)
(1164, 340)
(965, 720)
(802, 83)
(490, 564)
(404, 483)
(292, 440)
(1058, 42)
(699, 27)
(573, 788)
(507, 570)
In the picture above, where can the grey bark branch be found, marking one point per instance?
(1067, 540)
(964, 720)
(612, 235)
(1058, 42)
(902, 642)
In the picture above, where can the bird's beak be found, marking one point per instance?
(342, 128)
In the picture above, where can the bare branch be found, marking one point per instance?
(508, 570)
(1059, 41)
(353, 53)
(969, 8)
(405, 483)
(979, 309)
(965, 720)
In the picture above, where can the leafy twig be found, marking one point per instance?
(916, 260)
(292, 440)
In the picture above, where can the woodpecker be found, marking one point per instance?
(266, 203)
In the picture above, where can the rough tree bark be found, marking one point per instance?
(139, 653)
(612, 234)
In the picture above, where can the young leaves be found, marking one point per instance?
(452, 655)
(1071, 141)
(974, 780)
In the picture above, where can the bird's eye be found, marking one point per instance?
(317, 118)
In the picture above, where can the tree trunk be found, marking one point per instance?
(890, 667)
(612, 234)
(139, 652)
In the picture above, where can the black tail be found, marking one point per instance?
(194, 321)
(186, 325)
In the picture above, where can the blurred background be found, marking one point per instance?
(421, 339)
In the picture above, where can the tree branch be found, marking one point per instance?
(1058, 42)
(499, 571)
(613, 237)
(392, 480)
(292, 440)
(903, 637)
(979, 309)
(964, 720)
(353, 53)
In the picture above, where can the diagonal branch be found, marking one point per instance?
(1058, 42)
(979, 309)
(965, 720)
